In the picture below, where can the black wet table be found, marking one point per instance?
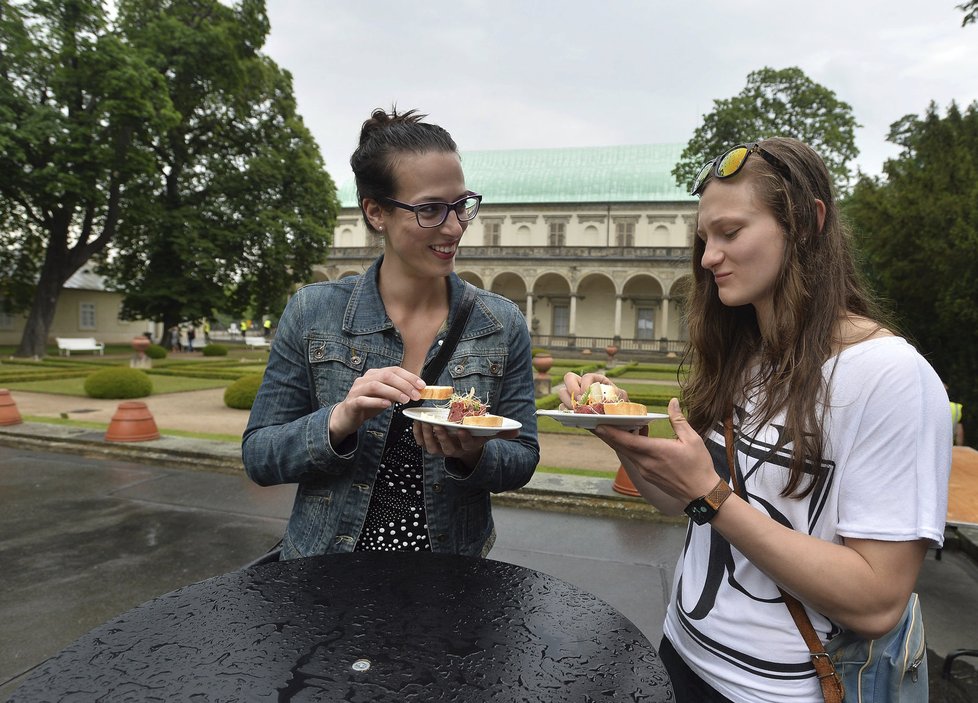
(362, 627)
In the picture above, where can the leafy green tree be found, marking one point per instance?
(239, 206)
(784, 103)
(166, 148)
(917, 227)
(78, 108)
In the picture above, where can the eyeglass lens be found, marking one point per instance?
(434, 214)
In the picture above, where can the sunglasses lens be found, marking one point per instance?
(732, 161)
(701, 176)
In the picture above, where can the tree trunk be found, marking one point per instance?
(33, 343)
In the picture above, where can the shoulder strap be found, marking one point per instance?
(830, 681)
(433, 368)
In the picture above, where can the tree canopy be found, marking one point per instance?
(164, 147)
(970, 10)
(78, 109)
(917, 227)
(783, 103)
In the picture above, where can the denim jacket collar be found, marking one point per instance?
(365, 313)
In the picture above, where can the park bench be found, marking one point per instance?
(66, 345)
(256, 342)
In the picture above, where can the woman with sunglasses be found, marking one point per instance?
(349, 355)
(839, 430)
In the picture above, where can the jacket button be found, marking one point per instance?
(354, 359)
(436, 488)
(459, 368)
(494, 368)
(319, 353)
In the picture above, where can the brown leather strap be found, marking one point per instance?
(832, 688)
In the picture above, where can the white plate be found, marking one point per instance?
(439, 416)
(589, 422)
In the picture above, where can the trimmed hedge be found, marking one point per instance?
(241, 394)
(215, 350)
(118, 383)
(155, 351)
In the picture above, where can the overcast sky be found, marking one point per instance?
(506, 74)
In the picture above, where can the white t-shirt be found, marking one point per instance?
(887, 461)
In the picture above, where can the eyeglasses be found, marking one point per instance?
(730, 162)
(435, 214)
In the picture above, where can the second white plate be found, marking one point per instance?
(589, 422)
(439, 416)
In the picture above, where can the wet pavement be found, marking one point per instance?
(86, 536)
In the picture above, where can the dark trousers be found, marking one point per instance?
(688, 687)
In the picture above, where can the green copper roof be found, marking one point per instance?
(600, 174)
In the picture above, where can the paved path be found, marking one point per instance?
(205, 412)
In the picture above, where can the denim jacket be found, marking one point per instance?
(329, 335)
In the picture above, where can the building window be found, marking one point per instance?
(561, 320)
(645, 323)
(557, 234)
(86, 316)
(625, 234)
(492, 234)
(6, 320)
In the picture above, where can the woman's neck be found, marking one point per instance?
(407, 298)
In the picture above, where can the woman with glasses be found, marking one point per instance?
(838, 431)
(349, 355)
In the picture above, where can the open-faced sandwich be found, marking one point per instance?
(604, 399)
(469, 410)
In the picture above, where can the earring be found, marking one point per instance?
(380, 228)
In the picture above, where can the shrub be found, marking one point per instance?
(215, 350)
(548, 402)
(241, 394)
(155, 351)
(118, 382)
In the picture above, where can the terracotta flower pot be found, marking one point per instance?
(9, 415)
(140, 344)
(542, 363)
(622, 484)
(611, 349)
(132, 422)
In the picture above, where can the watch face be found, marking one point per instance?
(700, 512)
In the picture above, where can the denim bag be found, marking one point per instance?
(891, 669)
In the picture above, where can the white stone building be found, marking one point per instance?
(592, 243)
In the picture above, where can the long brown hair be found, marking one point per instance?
(727, 358)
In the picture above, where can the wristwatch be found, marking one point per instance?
(703, 509)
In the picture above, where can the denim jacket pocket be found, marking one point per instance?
(311, 512)
(482, 371)
(334, 364)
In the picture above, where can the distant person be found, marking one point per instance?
(839, 432)
(174, 333)
(184, 339)
(207, 332)
(191, 336)
(267, 327)
(349, 354)
(244, 328)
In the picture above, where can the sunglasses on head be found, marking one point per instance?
(730, 163)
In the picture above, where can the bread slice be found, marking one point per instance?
(437, 392)
(625, 408)
(483, 420)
